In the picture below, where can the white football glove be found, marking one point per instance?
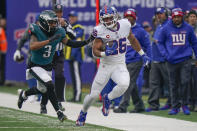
(18, 57)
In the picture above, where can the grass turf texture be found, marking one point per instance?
(86, 89)
(15, 120)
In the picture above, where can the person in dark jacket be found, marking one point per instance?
(176, 42)
(158, 73)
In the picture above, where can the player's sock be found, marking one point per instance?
(45, 99)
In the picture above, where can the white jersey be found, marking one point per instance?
(119, 36)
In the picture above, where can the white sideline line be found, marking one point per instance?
(22, 127)
(11, 121)
(123, 121)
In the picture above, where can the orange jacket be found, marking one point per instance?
(3, 41)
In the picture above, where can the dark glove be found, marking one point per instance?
(54, 37)
(110, 50)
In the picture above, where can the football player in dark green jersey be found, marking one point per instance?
(43, 40)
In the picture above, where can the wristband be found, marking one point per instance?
(103, 54)
(141, 52)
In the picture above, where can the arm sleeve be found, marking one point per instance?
(161, 43)
(23, 39)
(146, 43)
(71, 34)
(76, 44)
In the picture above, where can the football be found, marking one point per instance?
(109, 43)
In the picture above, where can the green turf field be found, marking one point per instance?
(85, 90)
(15, 120)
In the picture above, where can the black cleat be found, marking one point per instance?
(43, 109)
(61, 116)
(21, 99)
(60, 106)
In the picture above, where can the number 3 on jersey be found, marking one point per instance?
(122, 46)
(47, 51)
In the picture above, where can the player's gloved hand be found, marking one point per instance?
(146, 60)
(70, 32)
(54, 37)
(18, 57)
(110, 50)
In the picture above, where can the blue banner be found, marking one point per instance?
(20, 13)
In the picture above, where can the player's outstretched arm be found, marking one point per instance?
(35, 44)
(74, 44)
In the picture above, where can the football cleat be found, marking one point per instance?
(61, 116)
(165, 107)
(106, 105)
(43, 109)
(81, 119)
(21, 99)
(186, 110)
(174, 111)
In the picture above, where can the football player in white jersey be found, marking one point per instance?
(112, 59)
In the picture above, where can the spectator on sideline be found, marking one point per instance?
(75, 57)
(158, 72)
(175, 42)
(192, 20)
(3, 50)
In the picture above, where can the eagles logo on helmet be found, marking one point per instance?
(48, 21)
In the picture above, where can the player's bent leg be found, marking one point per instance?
(81, 119)
(53, 100)
(122, 79)
(118, 91)
(89, 99)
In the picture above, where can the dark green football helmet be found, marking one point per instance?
(48, 21)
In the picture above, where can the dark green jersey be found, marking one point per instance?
(44, 55)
